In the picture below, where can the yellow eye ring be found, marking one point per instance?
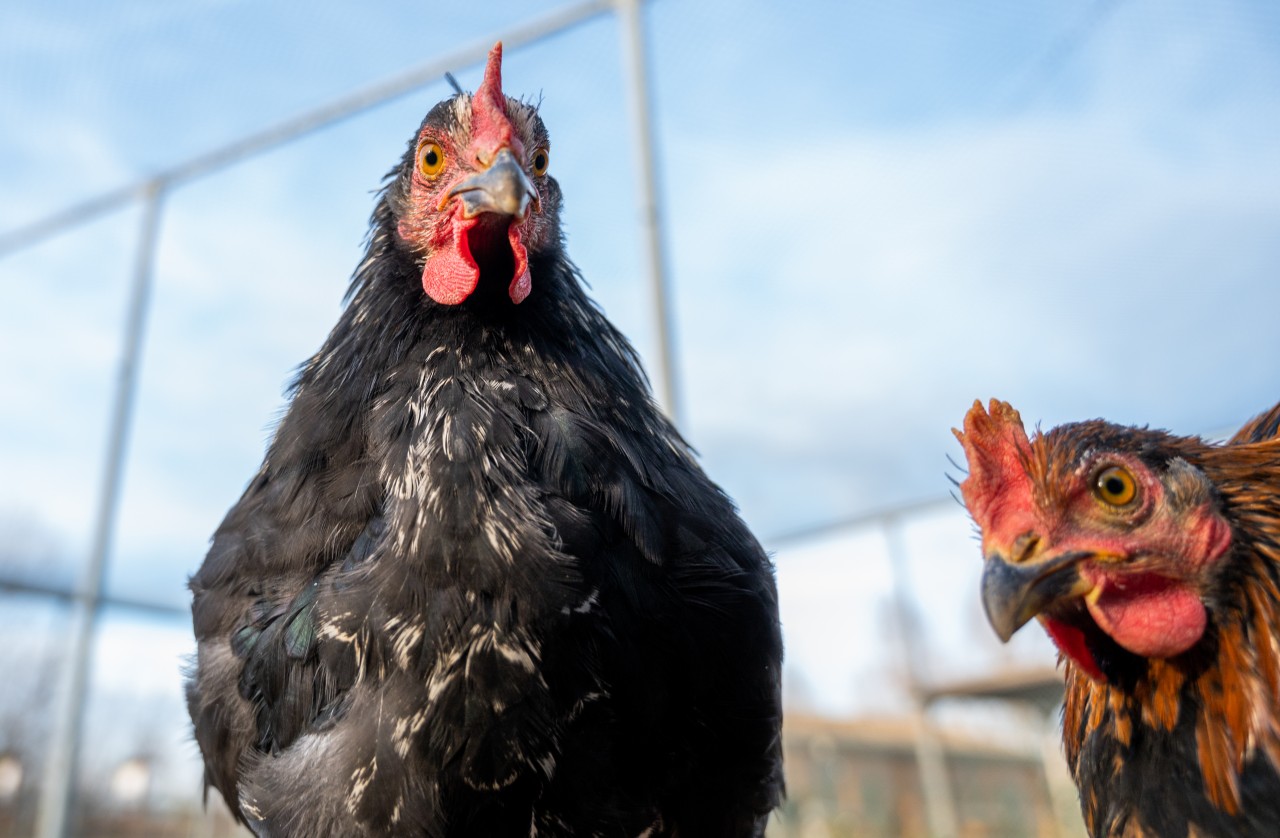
(541, 159)
(430, 159)
(1115, 486)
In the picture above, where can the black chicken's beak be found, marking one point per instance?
(502, 188)
(1015, 591)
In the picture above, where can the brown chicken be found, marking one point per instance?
(1153, 562)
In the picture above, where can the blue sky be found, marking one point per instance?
(876, 212)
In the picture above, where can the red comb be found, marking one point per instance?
(998, 451)
(490, 127)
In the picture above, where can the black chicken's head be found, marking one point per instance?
(472, 197)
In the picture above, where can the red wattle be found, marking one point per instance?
(1070, 641)
(1149, 615)
(450, 273)
(521, 282)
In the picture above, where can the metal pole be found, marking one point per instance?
(812, 532)
(635, 66)
(60, 769)
(1063, 798)
(72, 595)
(1058, 55)
(930, 758)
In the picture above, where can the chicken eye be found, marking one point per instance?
(541, 159)
(430, 159)
(1114, 485)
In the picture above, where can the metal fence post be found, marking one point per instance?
(56, 794)
(637, 71)
(1063, 798)
(931, 762)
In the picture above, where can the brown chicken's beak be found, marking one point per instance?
(1014, 592)
(502, 188)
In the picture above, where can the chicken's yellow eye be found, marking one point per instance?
(430, 159)
(541, 159)
(1114, 485)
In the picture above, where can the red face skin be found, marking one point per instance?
(1144, 565)
(458, 249)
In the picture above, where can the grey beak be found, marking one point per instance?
(502, 188)
(1014, 593)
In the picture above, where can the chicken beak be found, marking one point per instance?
(1015, 591)
(503, 188)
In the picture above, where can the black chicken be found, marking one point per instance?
(479, 586)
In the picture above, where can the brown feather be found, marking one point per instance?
(1239, 692)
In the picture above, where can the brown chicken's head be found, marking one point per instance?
(1107, 534)
(473, 197)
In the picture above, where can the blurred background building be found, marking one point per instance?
(864, 215)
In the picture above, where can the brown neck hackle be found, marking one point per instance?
(1237, 691)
